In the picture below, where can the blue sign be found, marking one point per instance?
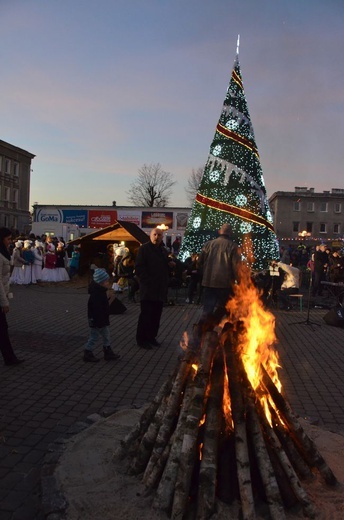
(75, 216)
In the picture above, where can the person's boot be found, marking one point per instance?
(89, 356)
(109, 354)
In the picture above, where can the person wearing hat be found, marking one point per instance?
(99, 317)
(29, 258)
(38, 261)
(5, 266)
(61, 263)
(18, 262)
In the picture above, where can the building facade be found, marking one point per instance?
(307, 215)
(15, 171)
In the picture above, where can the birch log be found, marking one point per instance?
(209, 452)
(129, 443)
(171, 414)
(266, 470)
(304, 443)
(189, 444)
(241, 444)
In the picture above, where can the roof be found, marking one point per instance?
(117, 232)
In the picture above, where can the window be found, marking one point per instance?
(323, 227)
(337, 207)
(297, 206)
(310, 207)
(309, 227)
(16, 169)
(323, 207)
(296, 227)
(15, 195)
(6, 193)
(336, 229)
(7, 166)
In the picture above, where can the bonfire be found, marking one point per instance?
(220, 431)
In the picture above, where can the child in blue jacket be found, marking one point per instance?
(98, 317)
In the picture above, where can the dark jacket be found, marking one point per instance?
(218, 262)
(152, 270)
(320, 260)
(98, 306)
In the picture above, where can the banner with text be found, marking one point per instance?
(130, 216)
(152, 219)
(101, 218)
(75, 216)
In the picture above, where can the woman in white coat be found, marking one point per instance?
(5, 267)
(18, 262)
(38, 261)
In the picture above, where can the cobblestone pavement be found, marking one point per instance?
(43, 399)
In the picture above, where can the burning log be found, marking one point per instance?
(306, 446)
(240, 435)
(289, 471)
(298, 463)
(209, 453)
(266, 469)
(223, 431)
(232, 348)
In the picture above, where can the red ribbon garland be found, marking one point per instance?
(238, 138)
(237, 79)
(239, 212)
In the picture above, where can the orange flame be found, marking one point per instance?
(200, 450)
(258, 338)
(226, 401)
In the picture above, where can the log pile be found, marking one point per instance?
(206, 438)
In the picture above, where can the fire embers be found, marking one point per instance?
(219, 431)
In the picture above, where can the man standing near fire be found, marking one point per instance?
(218, 262)
(152, 271)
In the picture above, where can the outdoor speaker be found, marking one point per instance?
(335, 317)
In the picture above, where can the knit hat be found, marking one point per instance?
(100, 276)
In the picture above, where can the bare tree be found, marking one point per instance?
(193, 183)
(152, 188)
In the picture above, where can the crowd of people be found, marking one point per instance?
(149, 271)
(42, 259)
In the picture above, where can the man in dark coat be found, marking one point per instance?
(152, 271)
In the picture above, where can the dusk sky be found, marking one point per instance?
(96, 89)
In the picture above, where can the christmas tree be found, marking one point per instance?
(232, 188)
